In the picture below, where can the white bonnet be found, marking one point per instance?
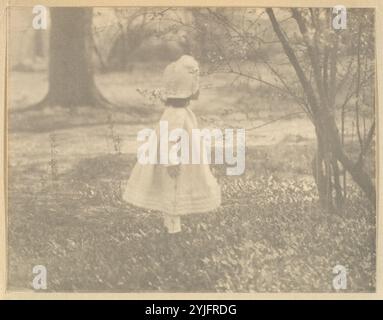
(181, 78)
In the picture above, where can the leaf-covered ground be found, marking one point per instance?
(269, 235)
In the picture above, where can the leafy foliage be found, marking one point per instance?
(269, 235)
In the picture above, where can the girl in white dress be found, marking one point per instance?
(176, 189)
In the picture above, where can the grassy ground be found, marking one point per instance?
(66, 172)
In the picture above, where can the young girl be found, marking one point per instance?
(179, 189)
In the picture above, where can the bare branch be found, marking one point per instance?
(294, 61)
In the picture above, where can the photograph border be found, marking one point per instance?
(4, 6)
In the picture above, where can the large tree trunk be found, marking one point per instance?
(71, 81)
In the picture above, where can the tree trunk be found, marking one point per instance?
(71, 81)
(321, 173)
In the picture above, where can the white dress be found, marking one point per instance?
(194, 190)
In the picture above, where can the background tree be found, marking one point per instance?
(71, 78)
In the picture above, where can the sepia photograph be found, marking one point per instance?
(191, 149)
